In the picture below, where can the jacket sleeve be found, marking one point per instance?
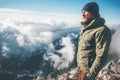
(102, 40)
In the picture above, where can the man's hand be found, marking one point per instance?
(81, 75)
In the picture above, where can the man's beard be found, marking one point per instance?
(86, 21)
(83, 22)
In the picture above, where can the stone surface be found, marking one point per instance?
(110, 72)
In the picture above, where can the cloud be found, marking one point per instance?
(65, 57)
(15, 14)
(24, 33)
(115, 43)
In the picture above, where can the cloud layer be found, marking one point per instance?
(24, 34)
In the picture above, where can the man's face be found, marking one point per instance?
(85, 16)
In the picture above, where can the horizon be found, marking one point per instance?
(108, 9)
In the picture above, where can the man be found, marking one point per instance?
(93, 43)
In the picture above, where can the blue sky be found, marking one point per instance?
(109, 9)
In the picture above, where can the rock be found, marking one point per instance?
(110, 72)
(70, 75)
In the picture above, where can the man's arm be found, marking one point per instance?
(103, 39)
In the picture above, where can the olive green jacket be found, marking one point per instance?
(93, 47)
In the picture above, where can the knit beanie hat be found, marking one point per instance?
(93, 8)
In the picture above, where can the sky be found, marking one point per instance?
(109, 9)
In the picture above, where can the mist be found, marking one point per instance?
(115, 47)
(35, 42)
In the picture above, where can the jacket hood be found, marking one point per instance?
(96, 23)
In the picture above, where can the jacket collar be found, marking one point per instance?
(95, 23)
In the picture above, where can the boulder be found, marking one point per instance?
(110, 72)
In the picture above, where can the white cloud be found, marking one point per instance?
(115, 47)
(14, 14)
(22, 33)
(65, 55)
